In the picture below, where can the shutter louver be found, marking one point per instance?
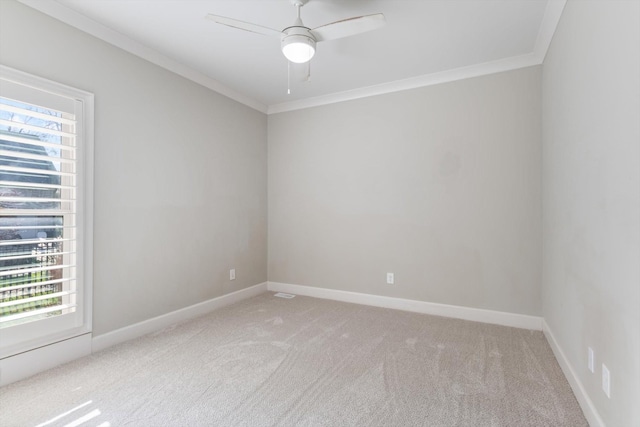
(37, 212)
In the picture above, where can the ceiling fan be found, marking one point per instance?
(298, 42)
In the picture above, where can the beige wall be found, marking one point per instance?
(180, 173)
(440, 185)
(591, 204)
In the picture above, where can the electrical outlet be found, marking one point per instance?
(232, 274)
(590, 360)
(390, 279)
(606, 381)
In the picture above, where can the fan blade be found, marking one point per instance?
(348, 27)
(234, 23)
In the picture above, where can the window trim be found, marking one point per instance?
(85, 185)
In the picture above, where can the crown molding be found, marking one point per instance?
(87, 25)
(477, 70)
(548, 26)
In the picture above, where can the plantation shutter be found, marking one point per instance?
(40, 233)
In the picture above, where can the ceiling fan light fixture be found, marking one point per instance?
(298, 42)
(298, 48)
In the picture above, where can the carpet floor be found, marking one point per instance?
(306, 362)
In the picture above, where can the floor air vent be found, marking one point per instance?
(281, 295)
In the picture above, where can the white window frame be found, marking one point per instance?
(10, 346)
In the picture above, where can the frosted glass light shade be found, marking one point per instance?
(298, 48)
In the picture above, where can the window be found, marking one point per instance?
(45, 212)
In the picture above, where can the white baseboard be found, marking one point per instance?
(588, 408)
(23, 365)
(458, 312)
(157, 323)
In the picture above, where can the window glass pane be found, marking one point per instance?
(31, 260)
(29, 123)
(36, 250)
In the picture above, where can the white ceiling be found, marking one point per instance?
(424, 42)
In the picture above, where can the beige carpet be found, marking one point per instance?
(306, 362)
